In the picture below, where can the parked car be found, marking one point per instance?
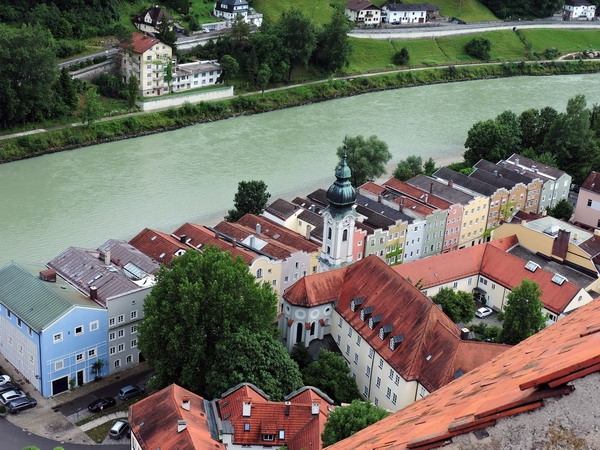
(483, 312)
(119, 429)
(130, 391)
(4, 379)
(10, 386)
(21, 404)
(11, 395)
(101, 404)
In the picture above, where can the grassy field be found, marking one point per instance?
(565, 41)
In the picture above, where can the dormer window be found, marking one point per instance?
(365, 313)
(355, 303)
(395, 341)
(384, 331)
(374, 320)
(268, 437)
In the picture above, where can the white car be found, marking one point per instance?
(12, 395)
(483, 312)
(4, 379)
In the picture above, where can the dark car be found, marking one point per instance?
(101, 404)
(130, 391)
(119, 429)
(9, 386)
(21, 404)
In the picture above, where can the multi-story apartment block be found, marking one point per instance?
(556, 183)
(195, 75)
(587, 209)
(230, 10)
(147, 59)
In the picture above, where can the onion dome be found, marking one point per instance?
(341, 194)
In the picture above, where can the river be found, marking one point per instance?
(86, 196)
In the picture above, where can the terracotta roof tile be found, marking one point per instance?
(154, 421)
(157, 245)
(417, 193)
(592, 182)
(359, 5)
(516, 381)
(141, 42)
(282, 209)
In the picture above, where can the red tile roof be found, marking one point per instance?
(491, 261)
(592, 182)
(359, 5)
(432, 351)
(157, 245)
(417, 193)
(302, 429)
(141, 42)
(154, 421)
(514, 382)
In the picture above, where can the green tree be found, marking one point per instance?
(402, 57)
(166, 33)
(240, 30)
(479, 48)
(344, 421)
(92, 109)
(298, 36)
(300, 354)
(522, 316)
(217, 296)
(429, 167)
(408, 168)
(331, 374)
(534, 125)
(250, 198)
(365, 157)
(229, 65)
(65, 88)
(257, 358)
(132, 91)
(458, 305)
(333, 48)
(493, 140)
(262, 77)
(28, 69)
(562, 210)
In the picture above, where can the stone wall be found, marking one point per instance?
(174, 101)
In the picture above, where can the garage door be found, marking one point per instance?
(60, 385)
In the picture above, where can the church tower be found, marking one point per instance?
(338, 221)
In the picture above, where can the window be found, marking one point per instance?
(79, 357)
(133, 315)
(366, 391)
(345, 235)
(111, 322)
(58, 337)
(286, 279)
(340, 322)
(121, 333)
(94, 325)
(349, 331)
(92, 353)
(381, 363)
(356, 358)
(391, 374)
(58, 365)
(133, 329)
(259, 273)
(347, 349)
(388, 394)
(78, 330)
(394, 399)
(117, 363)
(358, 340)
(281, 434)
(368, 371)
(121, 318)
(133, 343)
(111, 336)
(378, 383)
(113, 350)
(19, 323)
(246, 426)
(29, 331)
(121, 348)
(397, 380)
(129, 359)
(329, 233)
(268, 437)
(371, 353)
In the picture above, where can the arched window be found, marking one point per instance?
(329, 233)
(328, 250)
(259, 273)
(345, 235)
(312, 329)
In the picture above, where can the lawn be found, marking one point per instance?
(506, 46)
(565, 41)
(423, 52)
(369, 55)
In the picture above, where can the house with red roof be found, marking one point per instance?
(541, 393)
(173, 418)
(587, 209)
(249, 420)
(363, 12)
(159, 246)
(398, 344)
(490, 272)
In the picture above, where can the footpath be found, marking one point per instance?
(47, 420)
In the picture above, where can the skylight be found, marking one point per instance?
(558, 279)
(531, 266)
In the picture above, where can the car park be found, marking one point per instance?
(102, 404)
(4, 379)
(483, 312)
(11, 395)
(130, 391)
(119, 429)
(21, 404)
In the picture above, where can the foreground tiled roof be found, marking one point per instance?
(282, 209)
(159, 246)
(517, 381)
(432, 350)
(359, 5)
(592, 182)
(154, 421)
(141, 42)
(417, 193)
(301, 424)
(492, 261)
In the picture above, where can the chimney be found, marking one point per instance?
(93, 293)
(48, 275)
(258, 228)
(316, 408)
(308, 230)
(182, 238)
(185, 403)
(523, 222)
(575, 235)
(426, 197)
(464, 334)
(596, 232)
(430, 188)
(287, 408)
(252, 241)
(181, 425)
(450, 183)
(107, 257)
(246, 408)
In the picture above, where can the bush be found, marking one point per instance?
(402, 57)
(551, 53)
(479, 48)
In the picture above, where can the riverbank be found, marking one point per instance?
(141, 124)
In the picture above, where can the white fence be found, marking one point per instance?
(172, 101)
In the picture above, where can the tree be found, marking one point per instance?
(262, 77)
(298, 36)
(344, 421)
(97, 368)
(365, 157)
(522, 316)
(65, 89)
(408, 168)
(132, 90)
(92, 109)
(229, 65)
(479, 48)
(166, 33)
(493, 140)
(534, 125)
(217, 295)
(240, 30)
(300, 354)
(458, 305)
(331, 375)
(257, 358)
(429, 167)
(333, 48)
(562, 210)
(250, 198)
(402, 57)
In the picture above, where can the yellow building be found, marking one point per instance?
(147, 59)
